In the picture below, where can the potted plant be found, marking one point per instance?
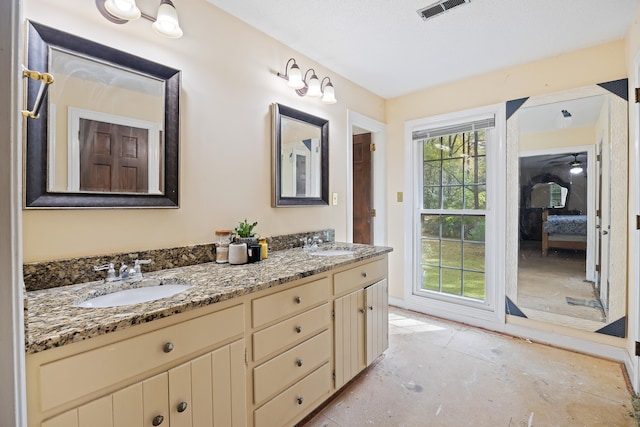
(243, 233)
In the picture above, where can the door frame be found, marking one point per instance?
(591, 194)
(634, 237)
(379, 175)
(12, 356)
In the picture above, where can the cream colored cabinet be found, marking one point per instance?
(349, 336)
(361, 329)
(207, 391)
(130, 381)
(377, 318)
(291, 353)
(259, 360)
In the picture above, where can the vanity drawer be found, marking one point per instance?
(290, 366)
(281, 335)
(359, 277)
(283, 304)
(298, 399)
(76, 376)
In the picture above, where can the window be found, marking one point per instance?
(453, 246)
(452, 218)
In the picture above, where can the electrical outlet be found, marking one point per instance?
(335, 199)
(400, 196)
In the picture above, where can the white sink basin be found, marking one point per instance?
(133, 296)
(331, 252)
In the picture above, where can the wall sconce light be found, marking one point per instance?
(123, 11)
(306, 85)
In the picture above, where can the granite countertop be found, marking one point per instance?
(52, 320)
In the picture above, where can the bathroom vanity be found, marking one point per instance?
(262, 344)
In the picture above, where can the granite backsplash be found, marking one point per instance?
(53, 274)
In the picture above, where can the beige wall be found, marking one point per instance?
(228, 84)
(575, 69)
(558, 138)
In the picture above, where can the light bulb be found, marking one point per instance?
(314, 87)
(167, 21)
(295, 77)
(123, 9)
(329, 94)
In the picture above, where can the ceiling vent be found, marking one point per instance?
(439, 8)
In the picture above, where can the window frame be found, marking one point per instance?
(492, 309)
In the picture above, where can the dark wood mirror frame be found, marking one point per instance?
(40, 39)
(278, 111)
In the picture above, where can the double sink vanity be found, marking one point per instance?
(260, 344)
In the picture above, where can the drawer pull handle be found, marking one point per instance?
(157, 420)
(371, 307)
(364, 274)
(298, 300)
(298, 329)
(361, 310)
(300, 399)
(182, 406)
(298, 362)
(168, 347)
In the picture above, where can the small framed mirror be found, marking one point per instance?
(300, 158)
(108, 130)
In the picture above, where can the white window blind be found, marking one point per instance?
(485, 123)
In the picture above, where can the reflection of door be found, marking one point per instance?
(362, 200)
(602, 235)
(113, 157)
(301, 176)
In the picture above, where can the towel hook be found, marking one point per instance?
(46, 79)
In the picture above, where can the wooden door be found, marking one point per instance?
(362, 197)
(113, 158)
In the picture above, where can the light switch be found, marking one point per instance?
(335, 199)
(400, 196)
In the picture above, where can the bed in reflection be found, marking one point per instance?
(563, 232)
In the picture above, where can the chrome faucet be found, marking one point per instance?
(310, 244)
(125, 272)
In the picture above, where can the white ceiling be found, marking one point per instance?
(386, 47)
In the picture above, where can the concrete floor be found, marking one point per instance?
(440, 373)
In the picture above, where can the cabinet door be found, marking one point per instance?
(155, 401)
(349, 340)
(377, 303)
(128, 406)
(216, 384)
(98, 413)
(180, 401)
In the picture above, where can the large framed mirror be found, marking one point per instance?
(108, 131)
(300, 158)
(569, 152)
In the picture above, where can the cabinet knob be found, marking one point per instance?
(300, 399)
(361, 310)
(298, 300)
(298, 329)
(168, 347)
(364, 274)
(298, 362)
(371, 307)
(157, 420)
(182, 406)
